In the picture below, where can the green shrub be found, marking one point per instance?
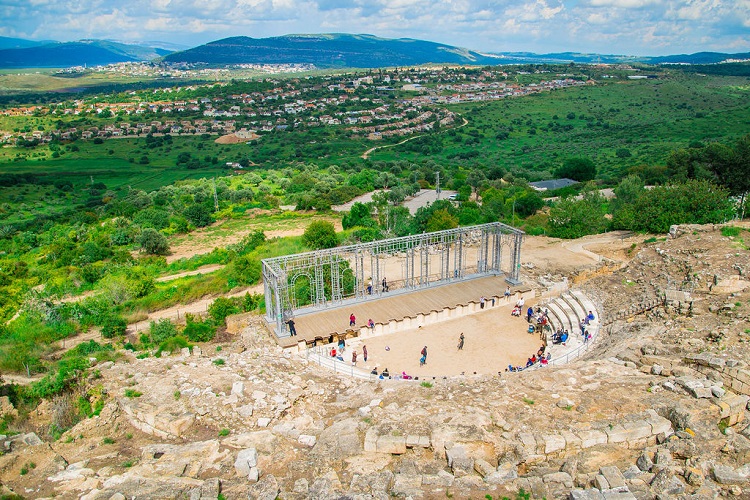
(162, 330)
(173, 344)
(198, 330)
(153, 242)
(221, 308)
(730, 231)
(219, 362)
(132, 393)
(320, 234)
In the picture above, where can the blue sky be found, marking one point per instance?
(632, 27)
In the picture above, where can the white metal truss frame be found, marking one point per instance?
(427, 260)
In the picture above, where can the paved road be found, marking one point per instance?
(423, 198)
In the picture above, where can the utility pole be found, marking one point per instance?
(437, 184)
(216, 198)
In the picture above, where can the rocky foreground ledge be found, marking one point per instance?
(600, 429)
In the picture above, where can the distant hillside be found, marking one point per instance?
(19, 43)
(84, 52)
(698, 58)
(329, 50)
(585, 58)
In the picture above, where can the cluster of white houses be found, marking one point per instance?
(286, 105)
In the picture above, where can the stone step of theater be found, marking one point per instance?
(400, 310)
(566, 312)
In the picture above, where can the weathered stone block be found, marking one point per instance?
(601, 482)
(238, 388)
(177, 426)
(553, 443)
(727, 475)
(616, 434)
(637, 430)
(572, 442)
(743, 376)
(559, 477)
(307, 440)
(644, 462)
(528, 442)
(415, 441)
(442, 478)
(388, 443)
(613, 476)
(406, 484)
(504, 473)
(371, 440)
(592, 438)
(246, 459)
(658, 423)
(483, 467)
(589, 494)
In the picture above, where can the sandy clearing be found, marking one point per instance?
(493, 340)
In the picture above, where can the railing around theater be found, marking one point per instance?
(320, 354)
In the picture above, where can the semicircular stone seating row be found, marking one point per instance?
(566, 312)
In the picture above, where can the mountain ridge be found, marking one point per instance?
(323, 50)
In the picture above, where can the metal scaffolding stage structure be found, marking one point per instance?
(357, 273)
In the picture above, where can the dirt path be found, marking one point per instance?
(367, 153)
(177, 313)
(201, 270)
(204, 240)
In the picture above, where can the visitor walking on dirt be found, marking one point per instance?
(461, 342)
(364, 353)
(424, 356)
(352, 319)
(354, 358)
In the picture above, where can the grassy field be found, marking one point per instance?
(645, 120)
(14, 81)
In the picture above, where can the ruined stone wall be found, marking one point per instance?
(735, 374)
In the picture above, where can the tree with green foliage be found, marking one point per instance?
(359, 215)
(730, 166)
(198, 330)
(572, 218)
(441, 220)
(579, 169)
(153, 242)
(320, 234)
(198, 214)
(690, 202)
(623, 205)
(114, 326)
(221, 308)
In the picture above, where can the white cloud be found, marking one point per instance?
(623, 4)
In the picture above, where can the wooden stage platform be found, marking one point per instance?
(320, 325)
